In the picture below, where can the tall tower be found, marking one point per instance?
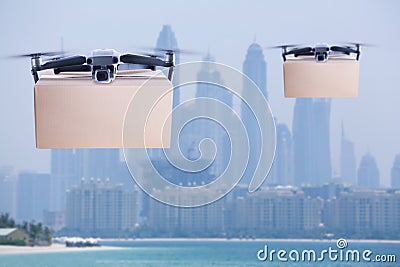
(395, 172)
(312, 160)
(282, 168)
(368, 173)
(208, 128)
(347, 161)
(99, 163)
(64, 173)
(255, 67)
(167, 40)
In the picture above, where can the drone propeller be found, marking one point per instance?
(39, 54)
(297, 50)
(174, 50)
(358, 44)
(283, 46)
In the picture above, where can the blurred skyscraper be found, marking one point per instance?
(311, 141)
(166, 220)
(33, 196)
(167, 40)
(63, 174)
(206, 128)
(395, 172)
(99, 163)
(282, 169)
(255, 67)
(368, 173)
(100, 207)
(347, 161)
(8, 185)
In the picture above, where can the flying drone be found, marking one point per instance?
(321, 52)
(321, 70)
(102, 64)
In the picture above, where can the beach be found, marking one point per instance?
(54, 248)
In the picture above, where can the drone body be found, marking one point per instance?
(103, 63)
(321, 52)
(321, 71)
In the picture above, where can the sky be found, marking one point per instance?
(226, 29)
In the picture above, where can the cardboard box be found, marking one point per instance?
(337, 77)
(72, 111)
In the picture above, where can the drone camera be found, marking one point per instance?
(103, 74)
(321, 57)
(104, 62)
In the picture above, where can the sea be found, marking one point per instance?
(232, 253)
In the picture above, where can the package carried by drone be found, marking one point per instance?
(312, 74)
(73, 111)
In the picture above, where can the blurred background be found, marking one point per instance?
(350, 159)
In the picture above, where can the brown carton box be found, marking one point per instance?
(337, 77)
(75, 112)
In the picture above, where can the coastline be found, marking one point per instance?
(54, 248)
(377, 241)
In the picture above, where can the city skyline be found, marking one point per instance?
(365, 117)
(68, 166)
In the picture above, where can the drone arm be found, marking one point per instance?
(63, 62)
(347, 50)
(35, 75)
(299, 51)
(73, 68)
(144, 60)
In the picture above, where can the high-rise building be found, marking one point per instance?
(395, 172)
(63, 174)
(8, 186)
(99, 163)
(282, 169)
(312, 159)
(273, 209)
(204, 221)
(255, 67)
(207, 128)
(201, 128)
(33, 196)
(100, 207)
(347, 161)
(364, 212)
(167, 40)
(368, 173)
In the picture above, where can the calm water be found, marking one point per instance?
(193, 253)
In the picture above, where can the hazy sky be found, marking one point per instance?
(227, 28)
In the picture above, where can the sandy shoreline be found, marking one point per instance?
(57, 248)
(54, 248)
